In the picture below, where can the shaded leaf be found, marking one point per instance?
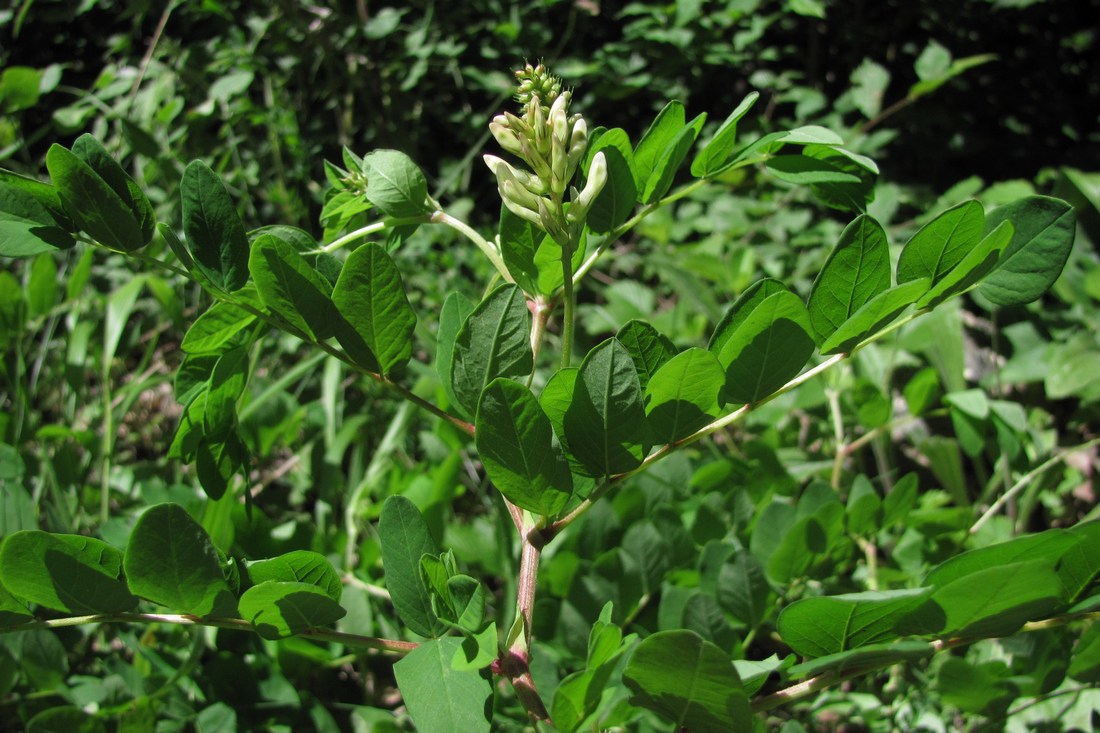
(821, 625)
(291, 288)
(299, 566)
(874, 315)
(858, 269)
(92, 203)
(214, 231)
(405, 539)
(371, 298)
(1044, 229)
(615, 202)
(941, 243)
(279, 609)
(649, 348)
(971, 268)
(682, 396)
(716, 152)
(494, 341)
(440, 698)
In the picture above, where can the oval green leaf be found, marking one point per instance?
(971, 268)
(1044, 233)
(941, 243)
(405, 539)
(291, 288)
(821, 625)
(279, 609)
(858, 269)
(682, 396)
(371, 298)
(440, 698)
(299, 566)
(717, 151)
(874, 315)
(91, 202)
(616, 201)
(214, 231)
(395, 184)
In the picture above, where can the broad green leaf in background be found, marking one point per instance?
(682, 396)
(858, 269)
(171, 561)
(820, 625)
(994, 601)
(92, 203)
(740, 309)
(716, 152)
(519, 240)
(648, 347)
(80, 575)
(291, 288)
(1044, 229)
(649, 152)
(874, 315)
(371, 298)
(279, 608)
(27, 225)
(604, 422)
(92, 152)
(227, 383)
(668, 161)
(65, 719)
(515, 442)
(971, 268)
(769, 348)
(742, 589)
(217, 459)
(1080, 565)
(405, 539)
(1050, 545)
(870, 657)
(216, 330)
(299, 566)
(456, 308)
(616, 201)
(440, 698)
(214, 231)
(688, 681)
(395, 184)
(494, 341)
(941, 243)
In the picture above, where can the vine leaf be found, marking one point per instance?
(689, 681)
(80, 575)
(516, 443)
(214, 231)
(370, 297)
(279, 608)
(604, 422)
(171, 561)
(494, 341)
(1044, 232)
(440, 698)
(858, 269)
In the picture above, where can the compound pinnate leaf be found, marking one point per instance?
(395, 184)
(770, 347)
(405, 539)
(689, 681)
(648, 347)
(604, 422)
(941, 243)
(682, 396)
(858, 269)
(494, 341)
(214, 231)
(291, 288)
(516, 443)
(91, 151)
(615, 202)
(279, 609)
(1044, 232)
(171, 561)
(92, 203)
(820, 625)
(440, 698)
(299, 566)
(874, 314)
(715, 153)
(72, 573)
(371, 298)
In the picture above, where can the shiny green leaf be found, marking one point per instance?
(371, 298)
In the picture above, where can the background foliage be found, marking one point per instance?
(952, 99)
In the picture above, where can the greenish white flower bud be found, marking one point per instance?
(597, 178)
(552, 223)
(505, 137)
(578, 144)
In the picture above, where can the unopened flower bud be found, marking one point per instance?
(552, 224)
(597, 177)
(578, 144)
(538, 163)
(505, 137)
(521, 211)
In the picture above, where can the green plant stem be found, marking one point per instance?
(236, 624)
(1026, 479)
(833, 398)
(569, 298)
(487, 248)
(829, 679)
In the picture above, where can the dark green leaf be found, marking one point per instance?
(769, 348)
(395, 184)
(971, 268)
(220, 328)
(456, 308)
(805, 170)
(81, 575)
(669, 160)
(516, 444)
(12, 612)
(214, 231)
(27, 225)
(171, 561)
(650, 150)
(742, 589)
(1050, 546)
(941, 243)
(279, 609)
(715, 153)
(874, 315)
(1080, 565)
(858, 270)
(649, 349)
(688, 681)
(736, 314)
(1044, 232)
(871, 657)
(440, 698)
(405, 539)
(682, 396)
(92, 152)
(291, 288)
(65, 719)
(92, 203)
(519, 240)
(299, 566)
(371, 298)
(821, 625)
(227, 383)
(616, 201)
(217, 459)
(494, 341)
(604, 422)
